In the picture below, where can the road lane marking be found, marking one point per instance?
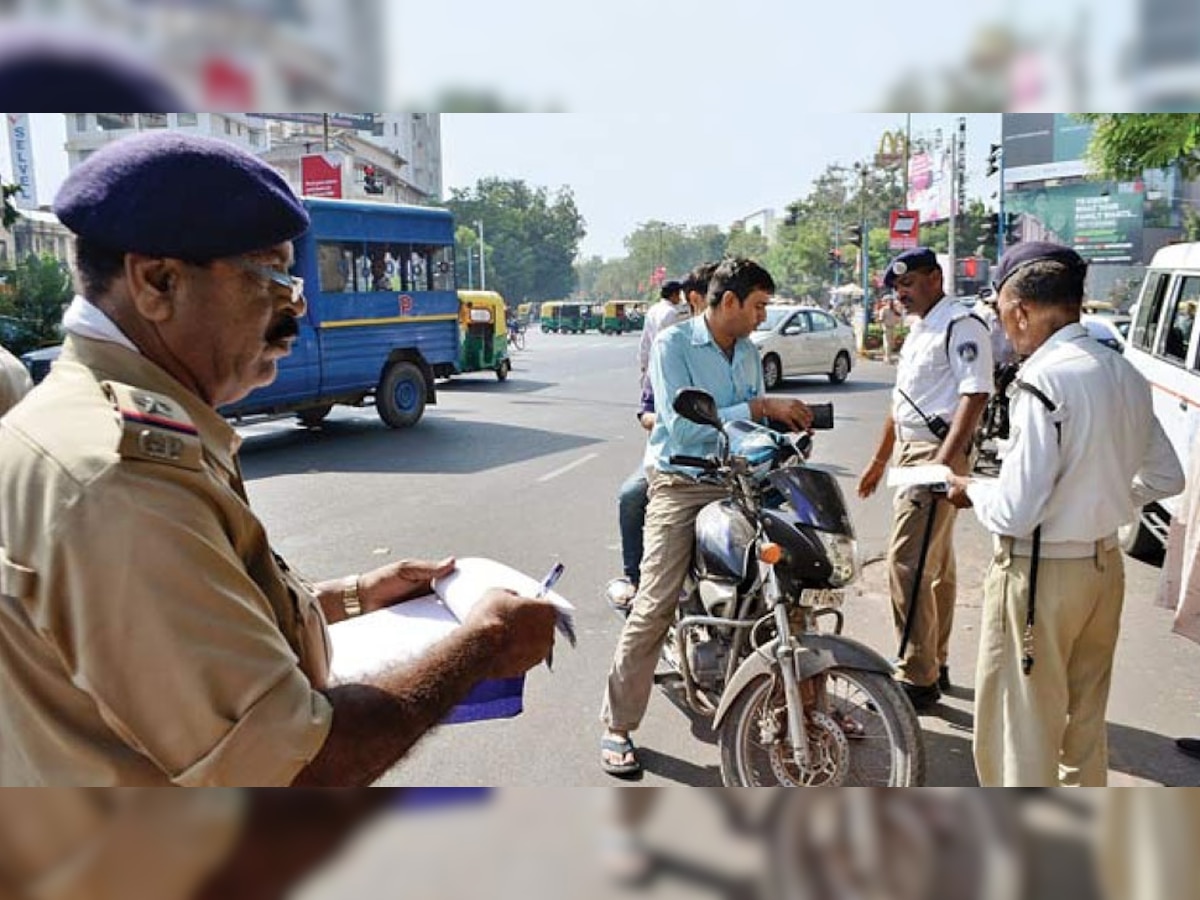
(568, 467)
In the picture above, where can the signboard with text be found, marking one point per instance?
(904, 229)
(321, 175)
(20, 147)
(1101, 220)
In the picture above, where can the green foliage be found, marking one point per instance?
(531, 237)
(37, 291)
(1124, 145)
(8, 214)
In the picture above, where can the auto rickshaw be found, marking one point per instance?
(482, 333)
(636, 315)
(562, 317)
(525, 313)
(616, 317)
(591, 316)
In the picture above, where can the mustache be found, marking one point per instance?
(287, 328)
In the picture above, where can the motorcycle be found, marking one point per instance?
(793, 703)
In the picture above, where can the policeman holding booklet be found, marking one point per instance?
(943, 381)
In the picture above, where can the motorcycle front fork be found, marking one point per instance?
(785, 654)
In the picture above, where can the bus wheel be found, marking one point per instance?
(400, 397)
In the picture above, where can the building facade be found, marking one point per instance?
(88, 132)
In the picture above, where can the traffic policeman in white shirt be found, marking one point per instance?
(943, 381)
(1085, 452)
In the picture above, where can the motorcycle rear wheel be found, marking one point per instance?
(867, 737)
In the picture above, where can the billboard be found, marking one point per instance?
(1102, 220)
(1038, 146)
(321, 175)
(20, 148)
(931, 184)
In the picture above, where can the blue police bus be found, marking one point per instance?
(382, 319)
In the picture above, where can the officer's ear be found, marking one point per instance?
(152, 282)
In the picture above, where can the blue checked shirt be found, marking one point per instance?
(687, 356)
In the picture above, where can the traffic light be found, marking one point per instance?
(371, 182)
(989, 227)
(1012, 227)
(995, 159)
(854, 235)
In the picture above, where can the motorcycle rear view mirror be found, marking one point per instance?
(697, 406)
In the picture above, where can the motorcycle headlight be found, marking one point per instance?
(842, 552)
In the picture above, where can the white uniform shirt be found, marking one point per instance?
(1113, 456)
(935, 375)
(661, 315)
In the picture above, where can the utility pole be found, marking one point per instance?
(482, 264)
(864, 256)
(470, 269)
(907, 142)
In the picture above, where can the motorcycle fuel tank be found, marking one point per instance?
(724, 540)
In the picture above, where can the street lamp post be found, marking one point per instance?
(482, 264)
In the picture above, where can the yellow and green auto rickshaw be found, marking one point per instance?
(525, 313)
(482, 333)
(616, 317)
(591, 316)
(636, 314)
(563, 317)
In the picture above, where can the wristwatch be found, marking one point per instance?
(350, 601)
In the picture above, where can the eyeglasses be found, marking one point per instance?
(293, 284)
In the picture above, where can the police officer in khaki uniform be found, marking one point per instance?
(1085, 452)
(148, 633)
(15, 382)
(943, 381)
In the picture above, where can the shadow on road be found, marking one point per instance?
(438, 446)
(678, 770)
(1144, 754)
(486, 383)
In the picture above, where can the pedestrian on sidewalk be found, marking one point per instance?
(890, 318)
(943, 381)
(1086, 451)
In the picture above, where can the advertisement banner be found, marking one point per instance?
(20, 148)
(930, 180)
(321, 175)
(1103, 221)
(1038, 146)
(904, 229)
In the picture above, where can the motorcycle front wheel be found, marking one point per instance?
(862, 733)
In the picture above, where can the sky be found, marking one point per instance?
(629, 168)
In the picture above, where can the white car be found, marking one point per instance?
(1112, 330)
(802, 340)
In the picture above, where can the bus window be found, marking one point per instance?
(443, 268)
(418, 269)
(335, 266)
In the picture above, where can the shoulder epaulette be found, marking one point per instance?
(154, 427)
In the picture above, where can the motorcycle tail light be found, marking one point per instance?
(770, 553)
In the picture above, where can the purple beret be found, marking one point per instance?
(43, 69)
(908, 261)
(1029, 252)
(171, 194)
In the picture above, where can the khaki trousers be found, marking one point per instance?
(929, 643)
(670, 536)
(1047, 728)
(1149, 841)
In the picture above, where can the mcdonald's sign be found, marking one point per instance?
(891, 150)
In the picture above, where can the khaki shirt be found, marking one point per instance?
(148, 634)
(15, 382)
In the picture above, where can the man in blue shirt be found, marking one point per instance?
(712, 352)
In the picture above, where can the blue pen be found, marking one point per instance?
(544, 588)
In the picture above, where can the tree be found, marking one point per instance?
(40, 287)
(531, 237)
(9, 215)
(1124, 145)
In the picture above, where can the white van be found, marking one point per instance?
(1164, 345)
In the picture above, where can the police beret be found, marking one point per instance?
(178, 195)
(1027, 253)
(44, 70)
(909, 260)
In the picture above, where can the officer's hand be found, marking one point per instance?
(520, 629)
(957, 492)
(791, 412)
(868, 481)
(400, 581)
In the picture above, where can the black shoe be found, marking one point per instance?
(943, 682)
(922, 697)
(1190, 746)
